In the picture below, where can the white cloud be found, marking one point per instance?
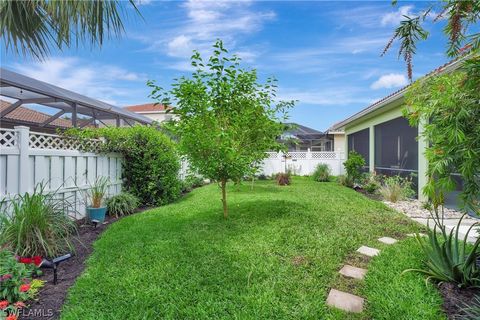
(180, 46)
(391, 80)
(394, 18)
(107, 83)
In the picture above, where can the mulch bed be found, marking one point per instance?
(52, 297)
(454, 299)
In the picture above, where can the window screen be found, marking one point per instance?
(360, 142)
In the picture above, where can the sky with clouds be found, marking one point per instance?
(325, 54)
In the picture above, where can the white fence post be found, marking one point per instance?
(23, 139)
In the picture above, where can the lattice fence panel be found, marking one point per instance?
(272, 155)
(297, 155)
(47, 141)
(7, 138)
(323, 155)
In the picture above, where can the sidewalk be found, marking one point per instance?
(452, 223)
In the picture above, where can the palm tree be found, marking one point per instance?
(34, 27)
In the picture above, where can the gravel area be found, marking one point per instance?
(414, 209)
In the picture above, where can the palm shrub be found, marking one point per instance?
(122, 204)
(36, 224)
(321, 173)
(353, 166)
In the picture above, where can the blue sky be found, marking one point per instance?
(325, 54)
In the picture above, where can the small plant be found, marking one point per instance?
(322, 173)
(122, 204)
(354, 166)
(95, 194)
(283, 179)
(470, 311)
(344, 181)
(35, 224)
(371, 183)
(191, 182)
(449, 258)
(396, 188)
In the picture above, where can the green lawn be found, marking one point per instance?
(275, 257)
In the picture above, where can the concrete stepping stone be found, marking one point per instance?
(345, 301)
(353, 272)
(370, 252)
(387, 240)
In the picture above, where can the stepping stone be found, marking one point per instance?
(387, 240)
(345, 301)
(371, 252)
(353, 272)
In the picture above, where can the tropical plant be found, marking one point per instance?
(33, 27)
(151, 173)
(35, 224)
(462, 17)
(227, 120)
(283, 179)
(96, 192)
(344, 181)
(122, 204)
(354, 166)
(396, 188)
(449, 258)
(321, 173)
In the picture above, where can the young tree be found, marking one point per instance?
(227, 120)
(461, 28)
(32, 27)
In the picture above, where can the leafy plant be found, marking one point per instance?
(152, 162)
(321, 173)
(470, 311)
(396, 188)
(36, 224)
(371, 182)
(449, 258)
(15, 278)
(96, 192)
(354, 166)
(122, 204)
(192, 181)
(283, 179)
(227, 120)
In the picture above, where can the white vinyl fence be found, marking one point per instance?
(29, 158)
(303, 162)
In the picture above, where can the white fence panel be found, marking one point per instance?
(302, 163)
(28, 158)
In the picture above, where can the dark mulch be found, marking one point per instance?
(373, 196)
(51, 297)
(454, 299)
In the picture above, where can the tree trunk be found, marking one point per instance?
(224, 198)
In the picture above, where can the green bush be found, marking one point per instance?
(35, 224)
(396, 188)
(191, 181)
(371, 183)
(151, 160)
(122, 204)
(354, 166)
(321, 173)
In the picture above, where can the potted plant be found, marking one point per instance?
(95, 194)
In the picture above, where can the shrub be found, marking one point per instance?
(283, 179)
(354, 165)
(321, 173)
(344, 181)
(396, 188)
(122, 204)
(371, 183)
(263, 176)
(96, 192)
(449, 258)
(152, 162)
(192, 181)
(35, 224)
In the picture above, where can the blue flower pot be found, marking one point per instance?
(97, 213)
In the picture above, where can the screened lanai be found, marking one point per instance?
(54, 103)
